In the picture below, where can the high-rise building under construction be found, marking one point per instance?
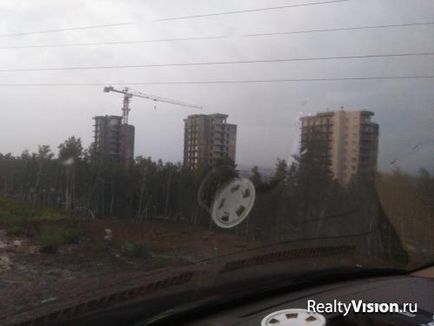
(208, 138)
(113, 140)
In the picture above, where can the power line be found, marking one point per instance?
(340, 29)
(61, 45)
(249, 10)
(213, 63)
(213, 82)
(66, 29)
(210, 37)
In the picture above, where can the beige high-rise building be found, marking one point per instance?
(208, 138)
(346, 141)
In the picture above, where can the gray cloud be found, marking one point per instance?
(266, 113)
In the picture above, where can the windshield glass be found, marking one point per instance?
(145, 136)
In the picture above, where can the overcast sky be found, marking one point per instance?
(266, 113)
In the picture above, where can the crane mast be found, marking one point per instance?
(126, 108)
(129, 93)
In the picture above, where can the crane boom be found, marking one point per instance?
(129, 93)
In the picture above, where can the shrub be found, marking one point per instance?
(71, 236)
(52, 239)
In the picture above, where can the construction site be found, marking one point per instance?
(114, 136)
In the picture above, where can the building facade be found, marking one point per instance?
(345, 141)
(208, 138)
(113, 140)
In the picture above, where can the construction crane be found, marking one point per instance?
(129, 93)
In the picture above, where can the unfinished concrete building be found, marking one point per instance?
(208, 138)
(113, 140)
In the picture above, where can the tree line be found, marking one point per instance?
(300, 199)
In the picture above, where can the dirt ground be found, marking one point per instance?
(28, 275)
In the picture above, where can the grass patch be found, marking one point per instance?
(18, 217)
(52, 239)
(11, 210)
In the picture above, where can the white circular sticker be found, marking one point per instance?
(233, 203)
(293, 317)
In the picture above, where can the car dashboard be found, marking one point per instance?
(403, 289)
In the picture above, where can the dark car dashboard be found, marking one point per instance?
(412, 294)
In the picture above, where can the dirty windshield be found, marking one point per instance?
(143, 138)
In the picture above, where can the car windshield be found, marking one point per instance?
(148, 136)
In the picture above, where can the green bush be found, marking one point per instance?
(71, 236)
(52, 239)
